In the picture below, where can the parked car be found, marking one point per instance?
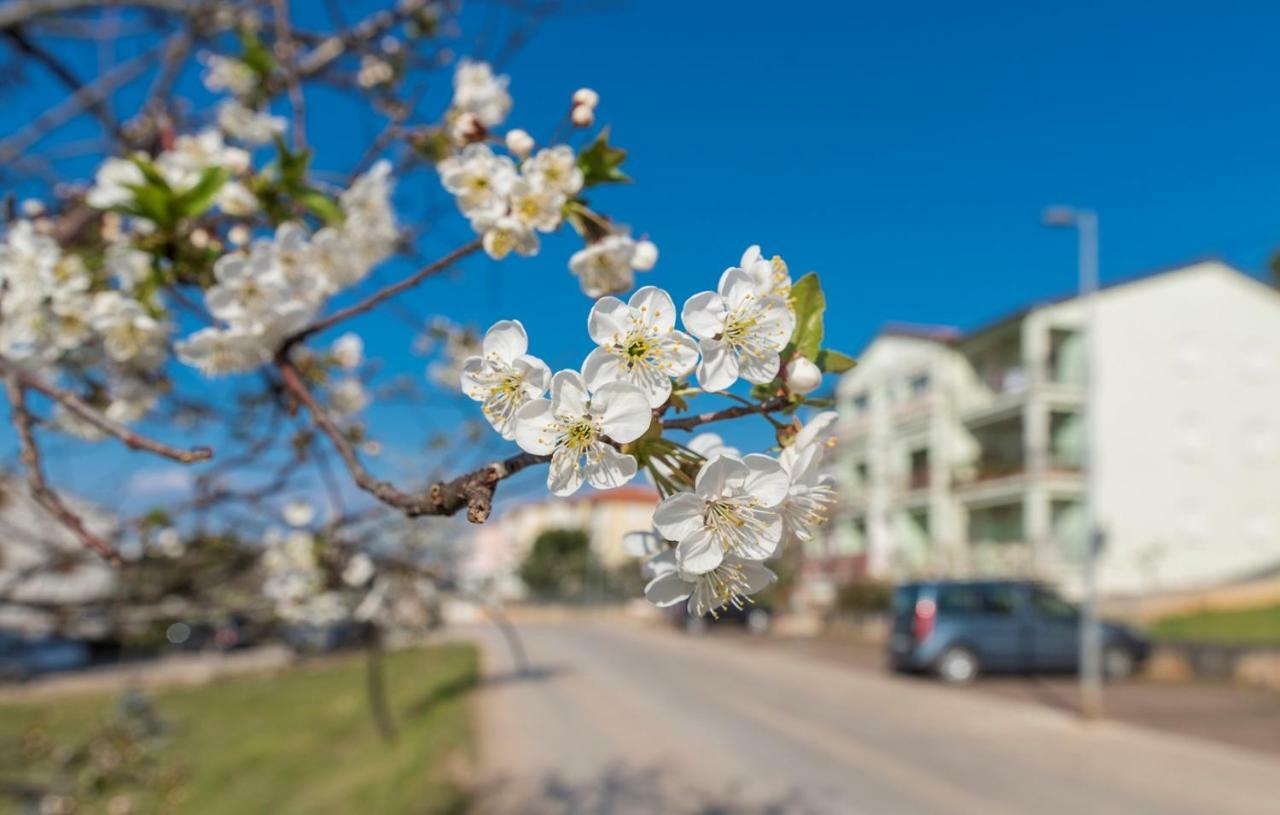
(24, 657)
(754, 617)
(959, 629)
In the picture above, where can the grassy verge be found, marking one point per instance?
(1255, 626)
(300, 741)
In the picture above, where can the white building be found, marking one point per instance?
(960, 454)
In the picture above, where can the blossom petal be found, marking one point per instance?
(601, 367)
(699, 553)
(505, 340)
(818, 429)
(759, 370)
(655, 306)
(757, 575)
(667, 589)
(678, 516)
(703, 315)
(766, 480)
(683, 352)
(662, 563)
(568, 394)
(565, 475)
(718, 369)
(624, 411)
(607, 468)
(609, 321)
(471, 378)
(537, 376)
(720, 475)
(535, 427)
(736, 287)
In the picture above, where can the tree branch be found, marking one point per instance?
(131, 439)
(22, 11)
(41, 492)
(472, 491)
(384, 294)
(772, 405)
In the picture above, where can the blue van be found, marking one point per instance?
(959, 629)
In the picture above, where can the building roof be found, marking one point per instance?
(951, 335)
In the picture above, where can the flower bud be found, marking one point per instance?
(802, 376)
(519, 142)
(238, 235)
(582, 116)
(585, 97)
(646, 255)
(468, 128)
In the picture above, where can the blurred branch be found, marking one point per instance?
(19, 12)
(41, 492)
(384, 294)
(473, 491)
(73, 403)
(98, 105)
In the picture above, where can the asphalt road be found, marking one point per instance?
(613, 718)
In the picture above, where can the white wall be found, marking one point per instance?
(1188, 432)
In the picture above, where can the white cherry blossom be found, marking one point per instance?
(741, 328)
(478, 91)
(348, 351)
(730, 583)
(733, 509)
(639, 344)
(555, 168)
(571, 426)
(111, 183)
(479, 180)
(810, 494)
(504, 378)
(248, 125)
(770, 275)
(505, 235)
(606, 266)
(128, 332)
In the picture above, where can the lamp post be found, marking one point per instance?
(1085, 222)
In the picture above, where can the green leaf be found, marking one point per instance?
(150, 173)
(809, 302)
(152, 203)
(293, 167)
(600, 162)
(197, 199)
(256, 55)
(833, 362)
(321, 205)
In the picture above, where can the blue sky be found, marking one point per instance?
(903, 151)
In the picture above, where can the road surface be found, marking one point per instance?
(616, 718)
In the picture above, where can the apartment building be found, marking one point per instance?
(961, 454)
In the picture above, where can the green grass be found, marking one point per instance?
(300, 741)
(1251, 625)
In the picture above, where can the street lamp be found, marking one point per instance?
(1085, 222)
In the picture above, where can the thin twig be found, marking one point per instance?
(41, 492)
(287, 49)
(64, 74)
(131, 439)
(472, 491)
(766, 407)
(385, 294)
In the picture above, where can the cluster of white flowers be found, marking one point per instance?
(182, 167)
(741, 512)
(56, 309)
(480, 100)
(729, 513)
(298, 586)
(510, 206)
(276, 286)
(510, 203)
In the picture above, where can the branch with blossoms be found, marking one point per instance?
(213, 242)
